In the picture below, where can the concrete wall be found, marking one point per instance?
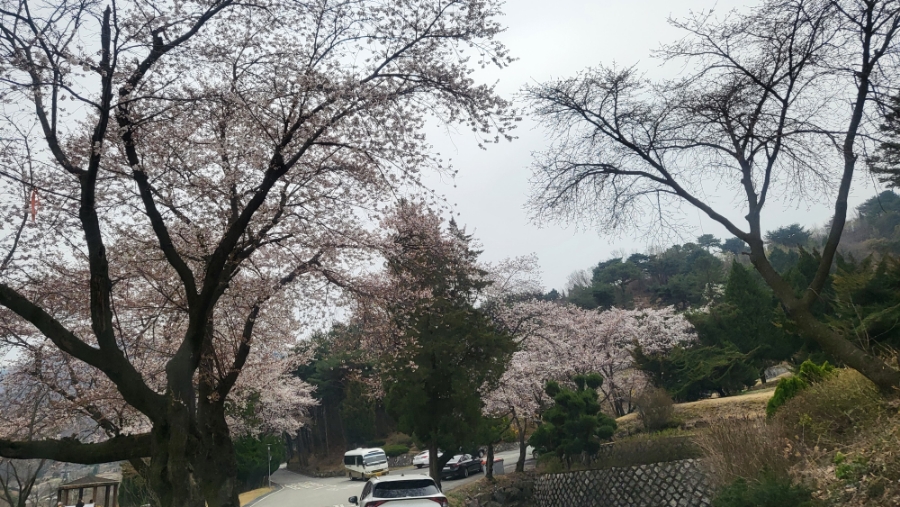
(672, 484)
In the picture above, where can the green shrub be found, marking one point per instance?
(399, 439)
(810, 373)
(252, 454)
(770, 490)
(786, 389)
(826, 412)
(655, 408)
(813, 373)
(395, 450)
(851, 471)
(550, 464)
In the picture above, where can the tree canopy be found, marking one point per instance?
(208, 174)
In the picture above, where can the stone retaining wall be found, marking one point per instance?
(403, 460)
(673, 484)
(515, 490)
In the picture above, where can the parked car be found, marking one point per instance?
(412, 490)
(422, 459)
(461, 465)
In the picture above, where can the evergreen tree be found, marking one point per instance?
(747, 319)
(790, 236)
(574, 423)
(450, 349)
(867, 303)
(736, 340)
(734, 246)
(708, 241)
(616, 274)
(690, 373)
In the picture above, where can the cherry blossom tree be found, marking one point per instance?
(557, 341)
(512, 278)
(187, 183)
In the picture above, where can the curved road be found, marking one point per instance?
(300, 490)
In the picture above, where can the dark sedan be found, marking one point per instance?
(461, 465)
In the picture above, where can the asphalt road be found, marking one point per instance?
(299, 490)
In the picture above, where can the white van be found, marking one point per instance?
(365, 463)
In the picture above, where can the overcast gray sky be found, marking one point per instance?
(556, 39)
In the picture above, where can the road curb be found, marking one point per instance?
(276, 489)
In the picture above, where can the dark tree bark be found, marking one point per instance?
(435, 463)
(489, 464)
(523, 446)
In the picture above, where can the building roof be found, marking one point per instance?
(89, 481)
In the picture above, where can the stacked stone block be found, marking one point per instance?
(672, 484)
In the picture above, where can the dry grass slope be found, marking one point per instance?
(697, 414)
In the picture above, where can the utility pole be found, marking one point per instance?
(269, 454)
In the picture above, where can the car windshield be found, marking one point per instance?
(375, 458)
(405, 489)
(349, 460)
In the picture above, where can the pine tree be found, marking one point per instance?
(574, 424)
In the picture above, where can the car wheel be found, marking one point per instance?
(419, 466)
(465, 472)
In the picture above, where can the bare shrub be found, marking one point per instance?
(645, 450)
(744, 447)
(827, 412)
(655, 408)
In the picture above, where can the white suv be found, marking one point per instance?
(411, 490)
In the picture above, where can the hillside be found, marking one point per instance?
(834, 442)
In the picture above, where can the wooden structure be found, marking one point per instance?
(108, 490)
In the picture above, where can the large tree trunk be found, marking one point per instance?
(523, 446)
(217, 464)
(192, 464)
(489, 464)
(435, 463)
(434, 468)
(872, 367)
